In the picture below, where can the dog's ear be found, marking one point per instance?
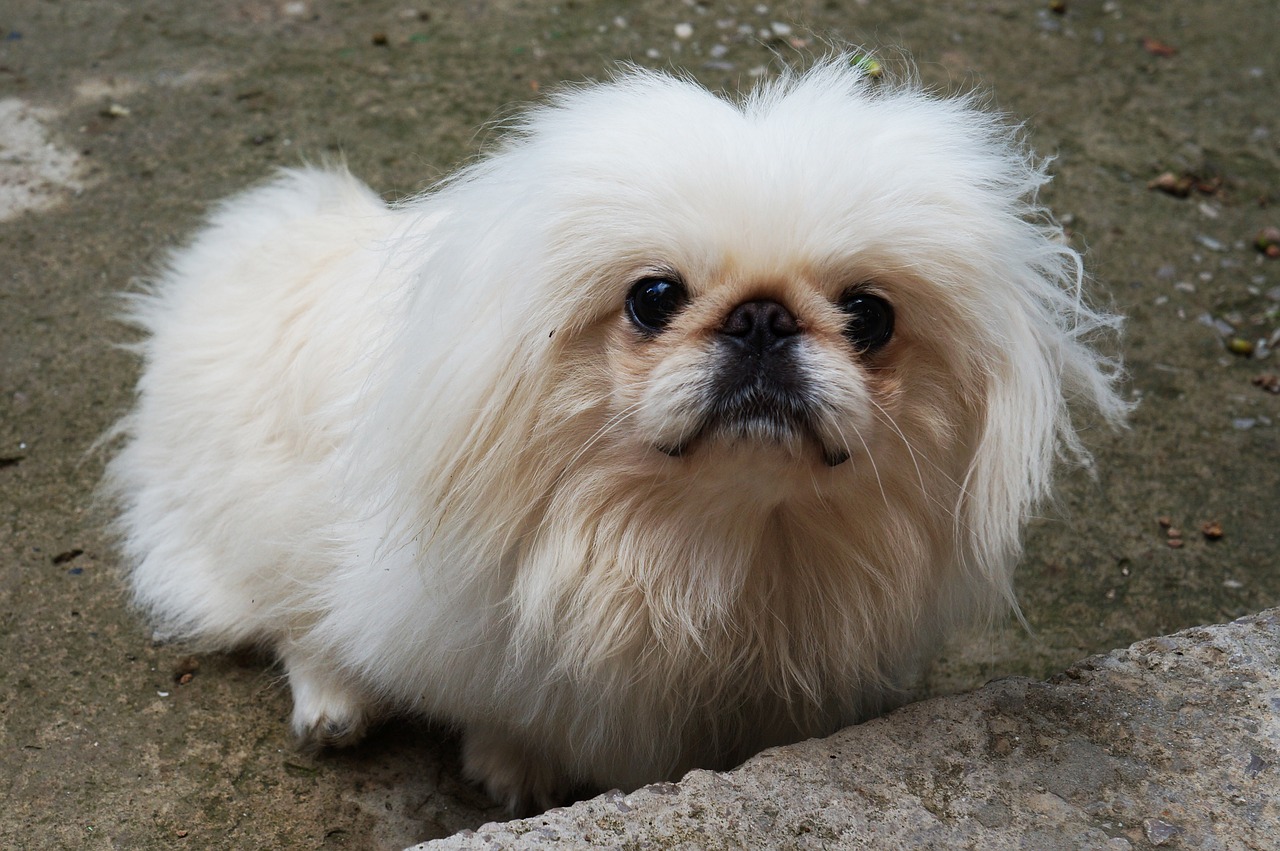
(1012, 465)
(1042, 369)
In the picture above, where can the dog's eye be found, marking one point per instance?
(870, 322)
(652, 303)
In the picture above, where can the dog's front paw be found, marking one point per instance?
(326, 712)
(513, 775)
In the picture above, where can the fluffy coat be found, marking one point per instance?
(414, 449)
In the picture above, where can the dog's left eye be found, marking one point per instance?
(870, 320)
(652, 303)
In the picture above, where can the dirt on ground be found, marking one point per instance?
(120, 123)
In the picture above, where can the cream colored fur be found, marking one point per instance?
(412, 448)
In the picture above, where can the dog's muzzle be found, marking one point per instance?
(759, 390)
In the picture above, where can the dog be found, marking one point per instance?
(675, 428)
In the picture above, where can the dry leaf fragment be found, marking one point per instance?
(1170, 184)
(1268, 381)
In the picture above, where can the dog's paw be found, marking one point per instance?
(326, 712)
(523, 782)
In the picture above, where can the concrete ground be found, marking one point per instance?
(1169, 742)
(121, 122)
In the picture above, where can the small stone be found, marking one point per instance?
(1222, 326)
(1210, 243)
(1211, 530)
(1159, 831)
(684, 31)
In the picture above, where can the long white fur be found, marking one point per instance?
(405, 446)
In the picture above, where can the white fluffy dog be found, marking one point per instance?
(675, 428)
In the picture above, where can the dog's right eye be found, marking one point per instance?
(652, 303)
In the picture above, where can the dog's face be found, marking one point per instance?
(748, 366)
(817, 378)
(763, 356)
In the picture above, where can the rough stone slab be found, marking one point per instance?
(1172, 742)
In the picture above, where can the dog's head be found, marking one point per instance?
(834, 302)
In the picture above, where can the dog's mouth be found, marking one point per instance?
(760, 415)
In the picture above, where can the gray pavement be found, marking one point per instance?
(1171, 742)
(121, 122)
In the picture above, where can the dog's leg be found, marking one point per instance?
(526, 782)
(327, 710)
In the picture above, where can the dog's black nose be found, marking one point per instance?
(759, 325)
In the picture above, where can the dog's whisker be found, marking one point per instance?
(870, 456)
(602, 431)
(962, 490)
(906, 442)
